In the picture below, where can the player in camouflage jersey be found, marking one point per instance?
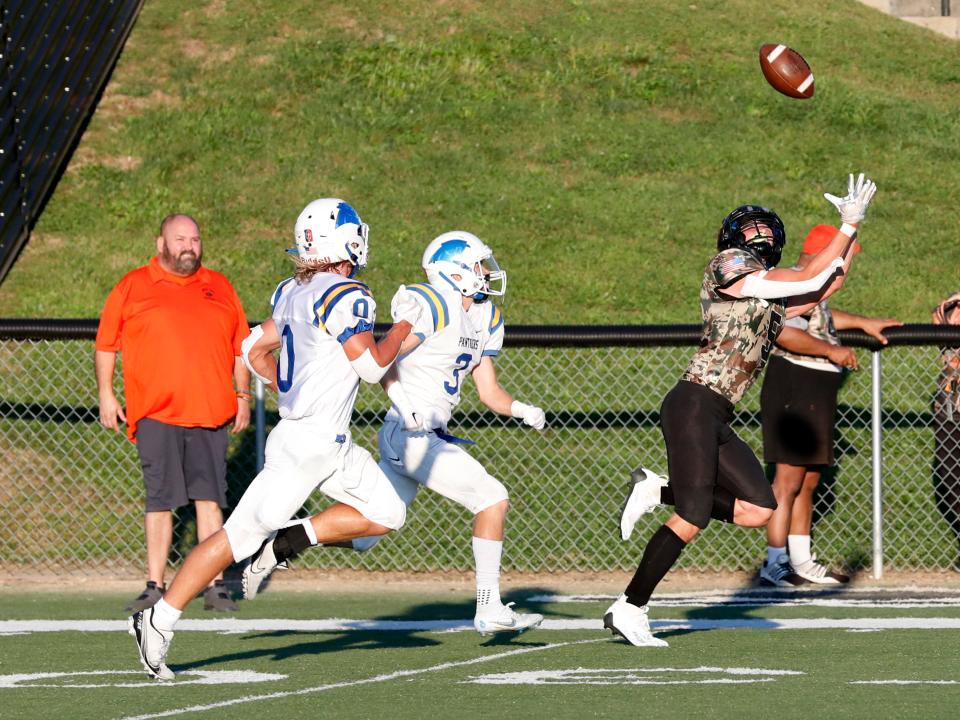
(744, 300)
(946, 427)
(798, 407)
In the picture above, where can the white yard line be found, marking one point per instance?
(808, 596)
(234, 625)
(353, 683)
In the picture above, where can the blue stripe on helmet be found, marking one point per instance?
(346, 214)
(450, 251)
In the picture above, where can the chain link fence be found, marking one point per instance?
(72, 492)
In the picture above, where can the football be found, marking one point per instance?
(786, 71)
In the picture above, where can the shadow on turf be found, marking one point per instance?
(333, 641)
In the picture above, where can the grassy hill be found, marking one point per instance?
(595, 145)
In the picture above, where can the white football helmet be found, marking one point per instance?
(329, 230)
(462, 260)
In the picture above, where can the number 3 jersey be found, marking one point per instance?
(738, 333)
(314, 376)
(453, 342)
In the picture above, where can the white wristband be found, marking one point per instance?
(517, 408)
(849, 230)
(398, 396)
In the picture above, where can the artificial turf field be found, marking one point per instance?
(750, 653)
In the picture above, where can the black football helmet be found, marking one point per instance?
(738, 228)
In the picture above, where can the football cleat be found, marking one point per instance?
(148, 598)
(630, 622)
(819, 574)
(217, 597)
(504, 619)
(152, 644)
(258, 568)
(643, 496)
(779, 574)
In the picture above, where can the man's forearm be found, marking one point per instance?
(799, 342)
(104, 364)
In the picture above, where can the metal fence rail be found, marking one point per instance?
(72, 494)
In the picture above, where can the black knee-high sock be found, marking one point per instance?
(659, 556)
(723, 501)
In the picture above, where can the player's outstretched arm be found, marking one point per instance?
(801, 342)
(371, 358)
(493, 395)
(872, 326)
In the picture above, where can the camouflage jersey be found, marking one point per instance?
(947, 399)
(737, 332)
(818, 323)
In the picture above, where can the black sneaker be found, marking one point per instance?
(148, 598)
(217, 597)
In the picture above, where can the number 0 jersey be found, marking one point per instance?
(314, 319)
(453, 342)
(737, 332)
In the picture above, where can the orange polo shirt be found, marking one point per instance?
(179, 337)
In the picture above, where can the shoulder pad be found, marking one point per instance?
(436, 303)
(324, 306)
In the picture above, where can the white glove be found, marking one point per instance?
(405, 306)
(412, 422)
(853, 206)
(530, 414)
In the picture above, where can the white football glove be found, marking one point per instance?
(530, 414)
(853, 206)
(405, 306)
(412, 422)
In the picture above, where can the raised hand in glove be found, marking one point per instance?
(530, 414)
(853, 206)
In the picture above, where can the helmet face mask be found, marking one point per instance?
(755, 229)
(462, 260)
(330, 231)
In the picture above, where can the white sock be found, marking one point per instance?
(774, 553)
(311, 533)
(799, 548)
(165, 615)
(486, 557)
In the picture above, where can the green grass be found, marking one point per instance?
(595, 145)
(825, 662)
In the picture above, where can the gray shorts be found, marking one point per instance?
(182, 464)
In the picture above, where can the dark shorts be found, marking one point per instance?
(703, 451)
(798, 407)
(182, 464)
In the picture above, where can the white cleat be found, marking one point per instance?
(815, 572)
(505, 619)
(152, 643)
(643, 497)
(258, 568)
(630, 622)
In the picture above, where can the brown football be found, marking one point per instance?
(786, 71)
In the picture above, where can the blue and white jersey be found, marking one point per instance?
(453, 341)
(314, 376)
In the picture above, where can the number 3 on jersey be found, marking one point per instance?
(463, 361)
